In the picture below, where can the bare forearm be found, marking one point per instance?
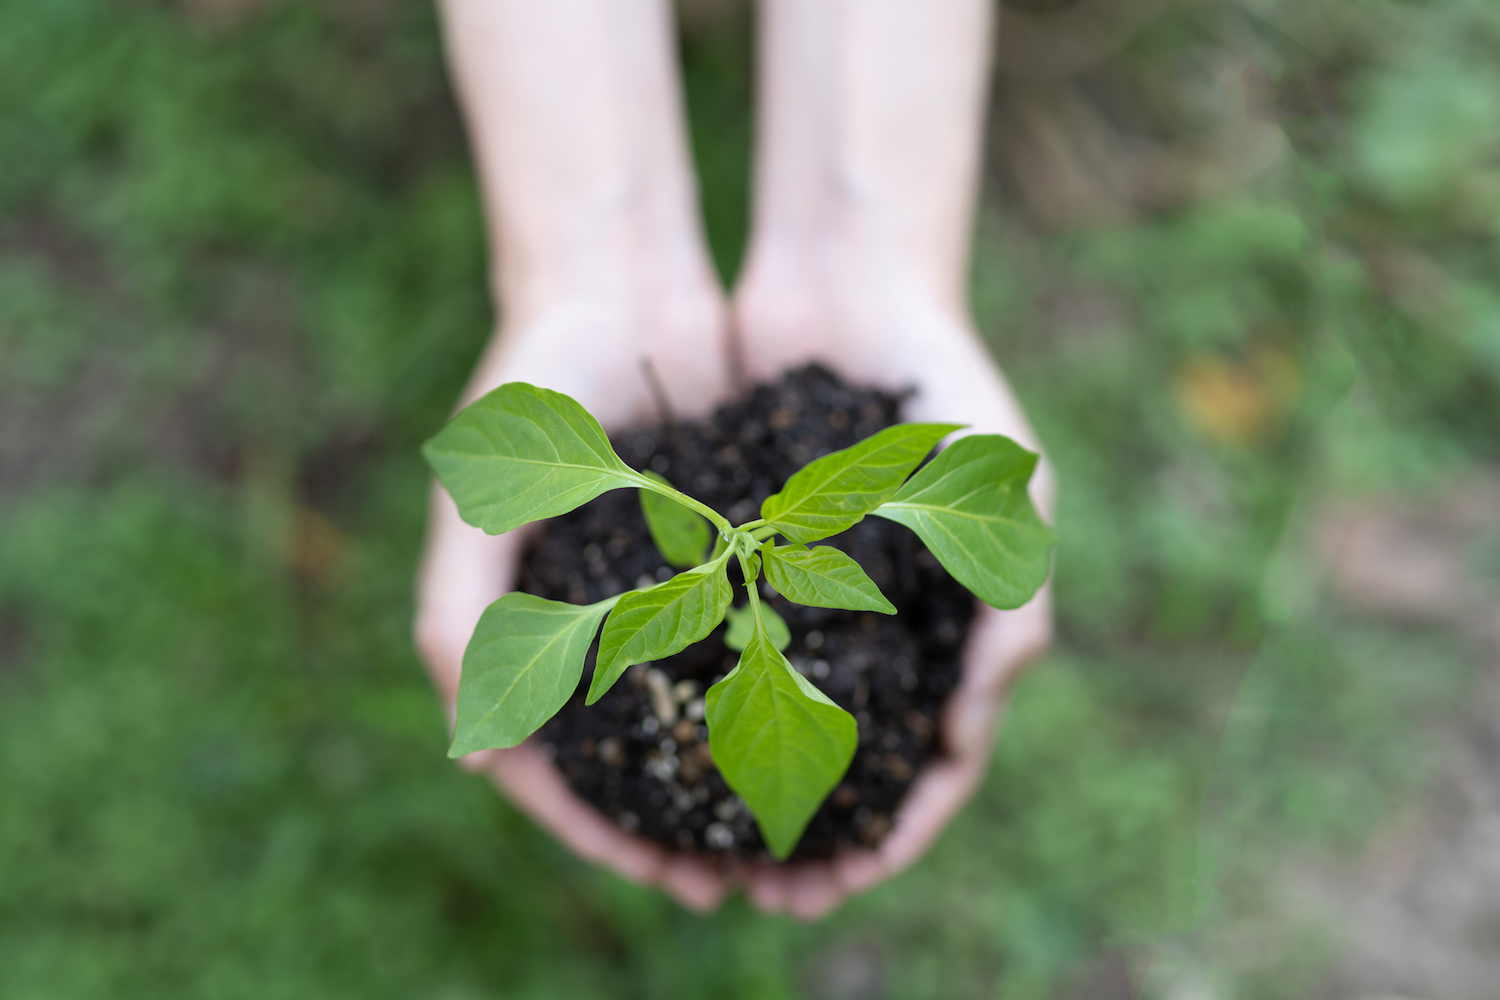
(574, 113)
(869, 137)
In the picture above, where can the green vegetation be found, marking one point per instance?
(242, 277)
(522, 453)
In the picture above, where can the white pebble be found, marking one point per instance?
(662, 702)
(661, 768)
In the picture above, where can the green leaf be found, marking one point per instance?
(778, 741)
(680, 534)
(522, 454)
(971, 508)
(650, 624)
(822, 577)
(742, 627)
(836, 491)
(522, 664)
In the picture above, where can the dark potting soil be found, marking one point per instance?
(640, 754)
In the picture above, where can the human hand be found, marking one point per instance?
(868, 138)
(890, 333)
(594, 355)
(593, 352)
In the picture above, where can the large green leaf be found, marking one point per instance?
(681, 535)
(778, 741)
(742, 627)
(823, 577)
(522, 664)
(971, 508)
(647, 625)
(522, 454)
(836, 491)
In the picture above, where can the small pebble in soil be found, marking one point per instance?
(641, 753)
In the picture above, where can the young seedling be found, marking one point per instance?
(523, 453)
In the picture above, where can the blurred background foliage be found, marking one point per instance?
(1238, 258)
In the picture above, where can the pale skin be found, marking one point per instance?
(867, 156)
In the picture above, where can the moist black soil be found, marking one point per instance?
(640, 754)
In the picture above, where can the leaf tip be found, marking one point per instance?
(604, 676)
(781, 847)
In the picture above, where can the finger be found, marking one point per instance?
(463, 571)
(534, 785)
(932, 802)
(812, 891)
(479, 762)
(1002, 643)
(766, 885)
(930, 805)
(694, 883)
(969, 721)
(529, 780)
(857, 871)
(999, 646)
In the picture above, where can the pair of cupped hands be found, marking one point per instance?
(700, 346)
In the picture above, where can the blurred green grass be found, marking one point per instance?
(242, 277)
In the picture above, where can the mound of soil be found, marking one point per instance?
(641, 753)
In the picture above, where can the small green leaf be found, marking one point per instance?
(522, 664)
(778, 741)
(647, 625)
(822, 577)
(680, 534)
(971, 507)
(836, 491)
(522, 454)
(742, 626)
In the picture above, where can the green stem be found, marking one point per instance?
(750, 582)
(752, 525)
(761, 534)
(720, 559)
(718, 520)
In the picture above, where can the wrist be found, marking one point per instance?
(627, 258)
(589, 340)
(835, 284)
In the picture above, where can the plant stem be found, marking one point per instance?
(714, 517)
(751, 579)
